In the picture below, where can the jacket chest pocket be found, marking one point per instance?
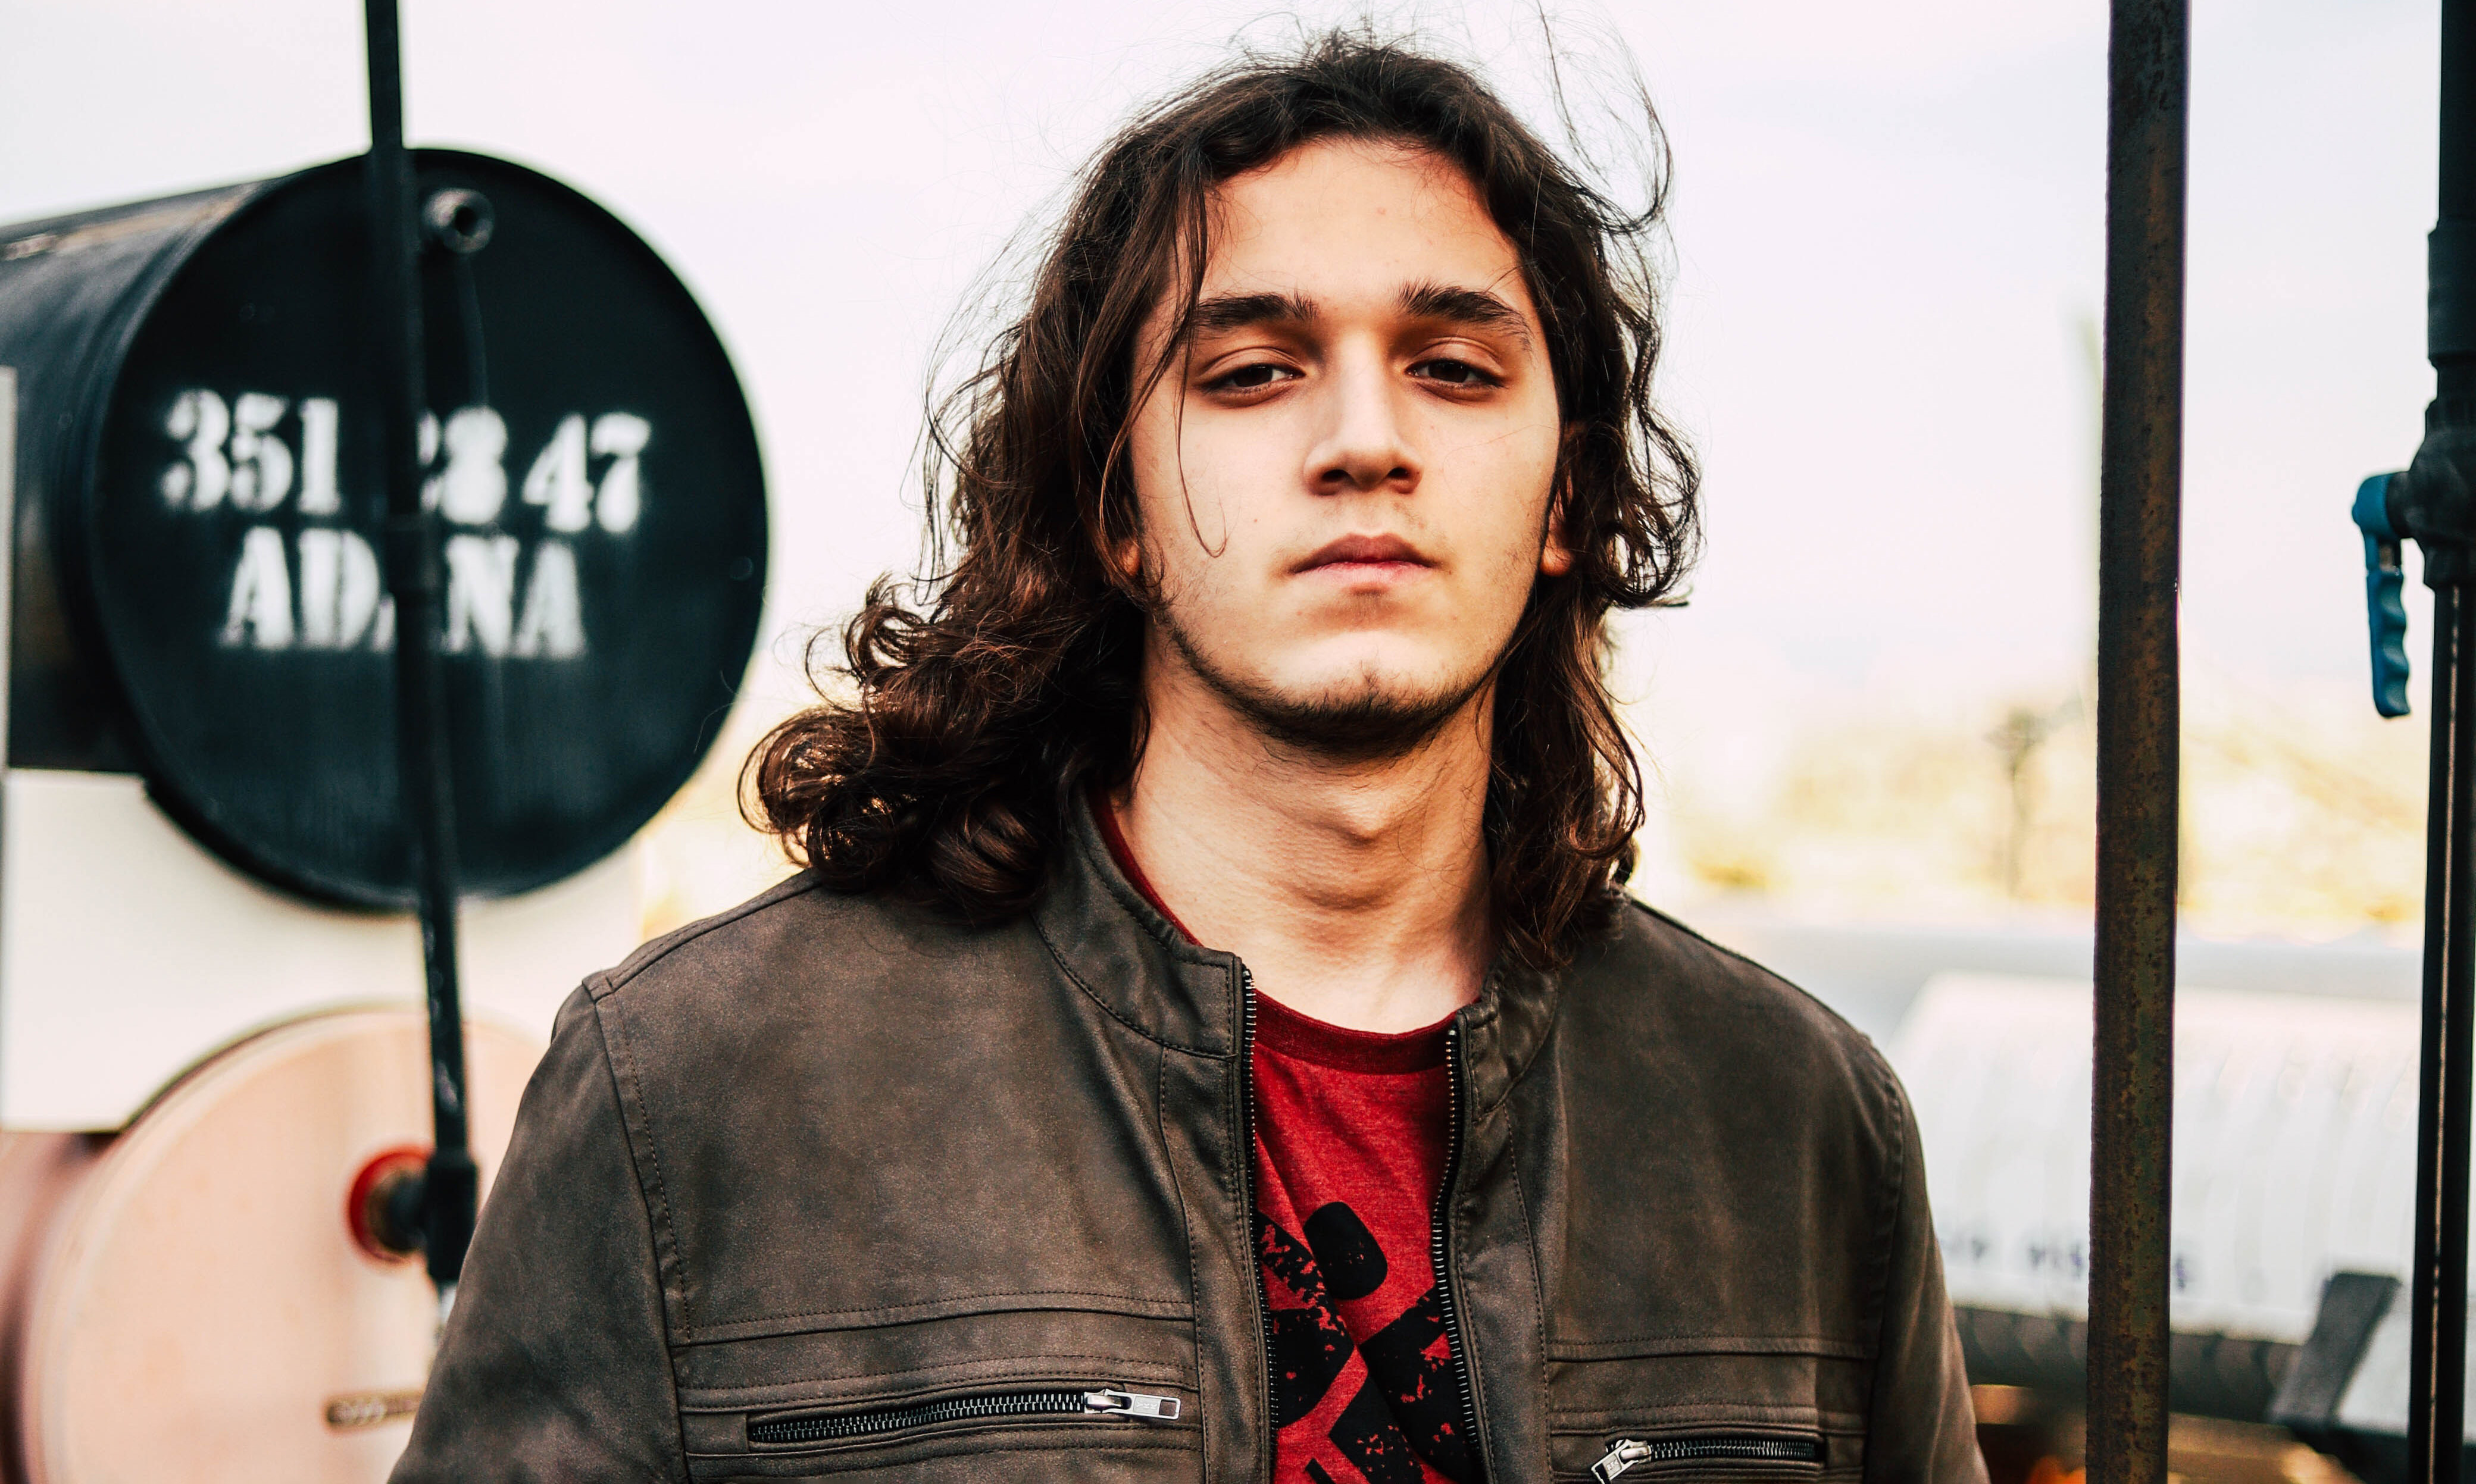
(1699, 1418)
(996, 1397)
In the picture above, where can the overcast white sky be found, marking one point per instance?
(1887, 229)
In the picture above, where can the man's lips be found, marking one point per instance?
(1364, 553)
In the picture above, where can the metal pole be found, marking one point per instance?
(2139, 493)
(451, 1182)
(2437, 1357)
(2437, 1367)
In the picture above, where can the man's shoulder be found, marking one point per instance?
(791, 909)
(1660, 954)
(1659, 992)
(803, 987)
(799, 940)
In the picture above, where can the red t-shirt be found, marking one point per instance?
(1350, 1156)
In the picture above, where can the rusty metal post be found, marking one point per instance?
(2139, 498)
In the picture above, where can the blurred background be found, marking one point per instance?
(1869, 734)
(1886, 230)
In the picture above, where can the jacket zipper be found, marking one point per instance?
(1625, 1453)
(1247, 1190)
(829, 1427)
(1440, 1246)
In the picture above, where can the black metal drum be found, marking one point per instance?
(200, 504)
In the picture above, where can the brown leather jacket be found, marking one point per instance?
(826, 1187)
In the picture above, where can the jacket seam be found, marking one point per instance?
(1824, 1419)
(1041, 929)
(1193, 1279)
(1663, 1347)
(613, 980)
(1894, 1197)
(1895, 1190)
(1538, 1284)
(1524, 1071)
(1487, 1013)
(665, 1235)
(656, 1225)
(713, 1331)
(1013, 1365)
(1514, 1078)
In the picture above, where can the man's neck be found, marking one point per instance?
(1356, 891)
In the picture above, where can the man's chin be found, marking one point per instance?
(1362, 710)
(1367, 726)
(1362, 718)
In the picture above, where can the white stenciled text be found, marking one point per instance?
(512, 590)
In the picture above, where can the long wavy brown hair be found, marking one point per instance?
(972, 709)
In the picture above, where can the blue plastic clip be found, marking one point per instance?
(2384, 609)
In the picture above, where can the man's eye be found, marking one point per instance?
(1452, 373)
(1254, 378)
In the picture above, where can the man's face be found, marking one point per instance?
(1344, 476)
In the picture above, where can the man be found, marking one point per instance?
(1209, 1040)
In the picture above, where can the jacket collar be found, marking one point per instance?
(1143, 971)
(1127, 957)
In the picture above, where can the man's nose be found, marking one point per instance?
(1364, 445)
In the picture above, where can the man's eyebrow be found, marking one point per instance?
(1224, 312)
(1473, 307)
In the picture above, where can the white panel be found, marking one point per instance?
(128, 951)
(2294, 1155)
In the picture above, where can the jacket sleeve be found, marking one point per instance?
(553, 1365)
(1923, 1428)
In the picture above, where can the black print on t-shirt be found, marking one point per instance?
(1368, 1436)
(1310, 1345)
(1405, 1409)
(1308, 1351)
(1354, 1265)
(1409, 1359)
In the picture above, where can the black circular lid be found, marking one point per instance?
(599, 503)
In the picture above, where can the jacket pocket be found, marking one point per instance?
(1699, 1414)
(807, 1428)
(999, 1397)
(1088, 1431)
(1788, 1455)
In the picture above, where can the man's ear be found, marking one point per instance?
(1555, 556)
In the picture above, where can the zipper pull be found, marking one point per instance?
(1127, 1404)
(1619, 1459)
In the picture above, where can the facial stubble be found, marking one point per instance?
(1354, 722)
